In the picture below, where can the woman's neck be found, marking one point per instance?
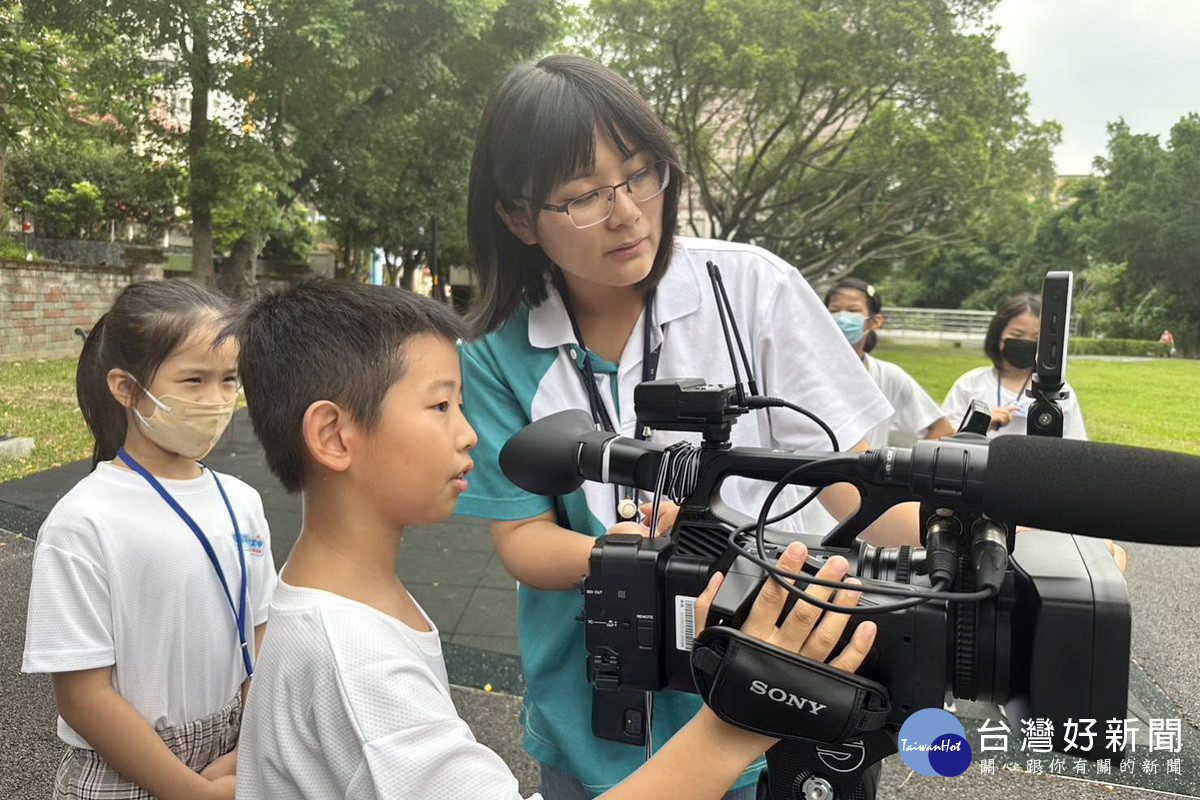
(606, 315)
(1013, 377)
(597, 301)
(158, 462)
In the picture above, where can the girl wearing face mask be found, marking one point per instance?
(856, 306)
(151, 577)
(1011, 344)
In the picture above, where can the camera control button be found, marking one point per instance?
(634, 722)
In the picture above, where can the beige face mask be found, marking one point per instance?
(185, 427)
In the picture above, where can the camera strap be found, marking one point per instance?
(763, 688)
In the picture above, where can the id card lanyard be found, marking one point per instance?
(239, 610)
(1020, 394)
(587, 373)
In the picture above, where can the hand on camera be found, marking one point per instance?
(807, 630)
(667, 512)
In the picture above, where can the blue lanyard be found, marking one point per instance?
(649, 359)
(239, 611)
(1000, 380)
(587, 373)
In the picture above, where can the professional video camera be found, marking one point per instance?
(1039, 622)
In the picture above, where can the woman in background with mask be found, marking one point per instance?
(856, 306)
(1011, 344)
(151, 577)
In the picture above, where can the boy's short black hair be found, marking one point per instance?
(1011, 308)
(326, 340)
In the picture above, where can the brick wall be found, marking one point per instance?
(41, 305)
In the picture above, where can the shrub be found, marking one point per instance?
(12, 250)
(1118, 347)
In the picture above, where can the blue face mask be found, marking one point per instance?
(851, 325)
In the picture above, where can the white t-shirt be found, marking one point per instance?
(349, 702)
(983, 384)
(119, 579)
(525, 371)
(914, 411)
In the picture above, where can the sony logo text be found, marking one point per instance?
(787, 698)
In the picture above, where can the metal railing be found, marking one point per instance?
(935, 323)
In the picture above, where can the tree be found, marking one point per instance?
(836, 133)
(400, 163)
(189, 46)
(35, 88)
(133, 188)
(1147, 220)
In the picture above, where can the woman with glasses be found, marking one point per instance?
(586, 291)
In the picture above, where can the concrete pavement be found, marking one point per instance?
(453, 572)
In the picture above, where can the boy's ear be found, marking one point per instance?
(325, 428)
(518, 223)
(122, 387)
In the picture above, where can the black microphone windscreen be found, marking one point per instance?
(1094, 489)
(542, 457)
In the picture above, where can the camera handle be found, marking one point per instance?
(831, 723)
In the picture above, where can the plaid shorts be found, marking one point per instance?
(84, 775)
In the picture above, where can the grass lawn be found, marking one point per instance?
(1144, 403)
(37, 398)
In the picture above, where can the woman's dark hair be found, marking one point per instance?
(1010, 309)
(874, 303)
(538, 130)
(146, 323)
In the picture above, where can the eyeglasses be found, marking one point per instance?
(597, 205)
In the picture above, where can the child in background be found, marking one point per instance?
(151, 577)
(355, 394)
(1011, 344)
(856, 307)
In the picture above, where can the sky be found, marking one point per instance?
(1090, 62)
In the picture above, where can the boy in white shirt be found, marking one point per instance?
(355, 394)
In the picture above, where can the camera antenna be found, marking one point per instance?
(728, 320)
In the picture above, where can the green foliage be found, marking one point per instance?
(837, 134)
(1130, 235)
(35, 86)
(387, 145)
(363, 109)
(74, 213)
(133, 188)
(294, 240)
(12, 250)
(1119, 347)
(1147, 220)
